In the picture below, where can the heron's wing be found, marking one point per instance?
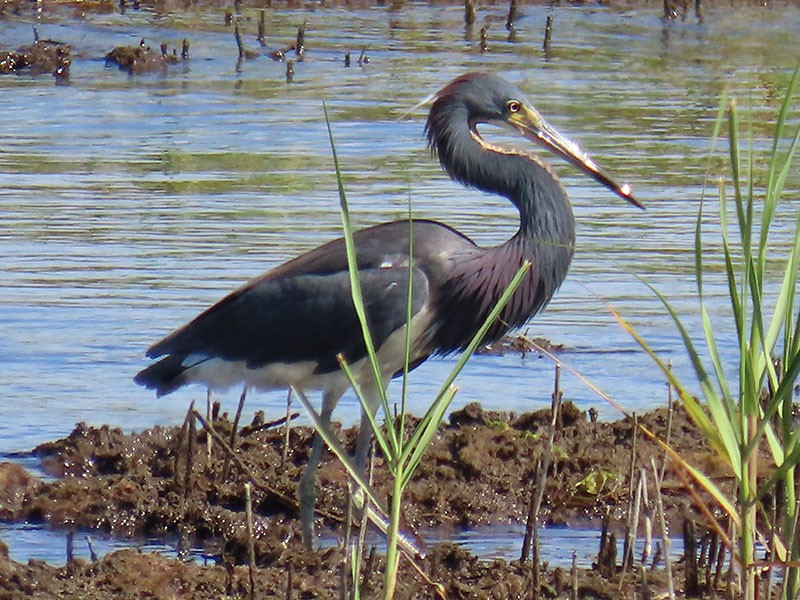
(299, 317)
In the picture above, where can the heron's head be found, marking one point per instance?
(477, 98)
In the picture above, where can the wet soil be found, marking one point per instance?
(170, 483)
(43, 56)
(143, 59)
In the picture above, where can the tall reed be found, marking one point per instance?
(751, 413)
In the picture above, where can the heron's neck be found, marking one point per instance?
(545, 212)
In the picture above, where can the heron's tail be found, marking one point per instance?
(165, 376)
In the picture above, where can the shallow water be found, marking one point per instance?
(130, 203)
(26, 541)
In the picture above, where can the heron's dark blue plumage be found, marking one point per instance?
(546, 235)
(287, 327)
(302, 312)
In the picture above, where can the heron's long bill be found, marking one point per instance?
(532, 126)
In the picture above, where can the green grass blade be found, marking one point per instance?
(758, 355)
(776, 190)
(693, 408)
(716, 362)
(713, 490)
(774, 185)
(768, 485)
(409, 317)
(704, 482)
(787, 299)
(377, 430)
(730, 272)
(783, 392)
(698, 239)
(794, 344)
(494, 314)
(355, 281)
(723, 424)
(784, 306)
(735, 161)
(698, 250)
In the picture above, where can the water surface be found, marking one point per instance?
(130, 203)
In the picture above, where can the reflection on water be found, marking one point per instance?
(131, 203)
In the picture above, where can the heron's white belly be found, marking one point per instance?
(219, 374)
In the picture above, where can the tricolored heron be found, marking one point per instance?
(286, 327)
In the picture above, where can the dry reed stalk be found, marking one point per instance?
(251, 547)
(648, 518)
(792, 535)
(548, 34)
(192, 437)
(656, 556)
(362, 530)
(574, 576)
(631, 523)
(237, 416)
(261, 37)
(644, 588)
(469, 12)
(179, 444)
(631, 534)
(300, 42)
(607, 554)
(664, 531)
(530, 543)
(731, 585)
(512, 15)
(670, 411)
(70, 549)
(234, 430)
(690, 570)
(273, 493)
(210, 425)
(286, 428)
(484, 47)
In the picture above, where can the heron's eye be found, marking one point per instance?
(514, 106)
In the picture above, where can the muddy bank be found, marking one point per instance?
(301, 574)
(170, 483)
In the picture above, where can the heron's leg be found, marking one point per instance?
(287, 427)
(307, 493)
(365, 429)
(239, 407)
(363, 444)
(210, 421)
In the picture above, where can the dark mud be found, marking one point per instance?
(168, 483)
(143, 59)
(41, 57)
